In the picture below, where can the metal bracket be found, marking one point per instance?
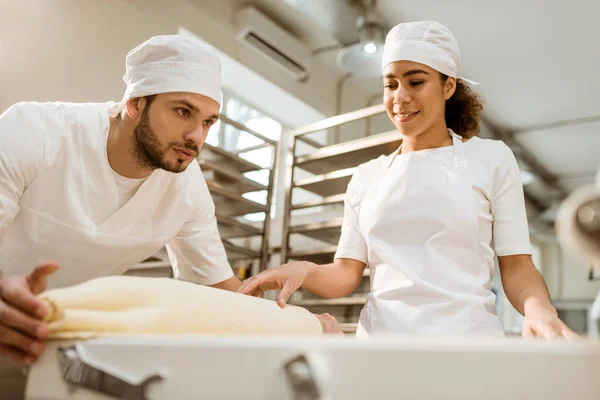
(78, 373)
(301, 377)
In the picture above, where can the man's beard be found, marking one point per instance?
(149, 151)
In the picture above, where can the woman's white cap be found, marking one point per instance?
(171, 63)
(426, 42)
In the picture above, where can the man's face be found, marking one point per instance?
(172, 130)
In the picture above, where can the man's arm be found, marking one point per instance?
(232, 284)
(21, 155)
(22, 329)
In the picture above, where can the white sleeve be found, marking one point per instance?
(197, 253)
(510, 228)
(21, 156)
(352, 244)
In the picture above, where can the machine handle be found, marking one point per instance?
(79, 373)
(304, 379)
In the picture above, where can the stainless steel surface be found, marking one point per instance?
(422, 368)
(238, 253)
(330, 184)
(231, 204)
(328, 231)
(338, 198)
(339, 120)
(218, 155)
(318, 256)
(228, 178)
(232, 228)
(349, 154)
(343, 301)
(77, 372)
(244, 128)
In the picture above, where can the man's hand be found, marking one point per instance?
(22, 326)
(329, 324)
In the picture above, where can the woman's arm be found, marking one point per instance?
(337, 279)
(527, 292)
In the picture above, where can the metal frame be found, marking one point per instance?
(292, 162)
(263, 254)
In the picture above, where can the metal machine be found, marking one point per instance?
(578, 228)
(154, 368)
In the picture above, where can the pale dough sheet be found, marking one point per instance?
(128, 305)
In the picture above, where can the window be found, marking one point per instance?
(246, 145)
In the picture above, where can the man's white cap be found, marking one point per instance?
(426, 42)
(171, 63)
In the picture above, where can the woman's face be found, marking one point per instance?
(415, 96)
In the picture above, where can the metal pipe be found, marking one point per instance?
(264, 252)
(338, 120)
(368, 120)
(338, 104)
(311, 142)
(252, 148)
(289, 187)
(244, 128)
(558, 124)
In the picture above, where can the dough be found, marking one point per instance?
(118, 305)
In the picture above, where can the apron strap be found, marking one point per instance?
(460, 159)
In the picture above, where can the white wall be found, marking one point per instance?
(74, 50)
(566, 274)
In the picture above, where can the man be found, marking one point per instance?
(97, 188)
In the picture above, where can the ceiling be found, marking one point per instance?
(537, 63)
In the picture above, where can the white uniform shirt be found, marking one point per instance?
(497, 190)
(59, 202)
(127, 187)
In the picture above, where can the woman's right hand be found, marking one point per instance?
(288, 278)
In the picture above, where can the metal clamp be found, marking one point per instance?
(78, 373)
(301, 376)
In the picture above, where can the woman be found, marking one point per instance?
(424, 217)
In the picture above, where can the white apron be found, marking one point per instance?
(428, 272)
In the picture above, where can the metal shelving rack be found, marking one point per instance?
(224, 172)
(332, 168)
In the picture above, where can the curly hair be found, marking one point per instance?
(463, 110)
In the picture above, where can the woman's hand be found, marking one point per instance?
(543, 322)
(288, 278)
